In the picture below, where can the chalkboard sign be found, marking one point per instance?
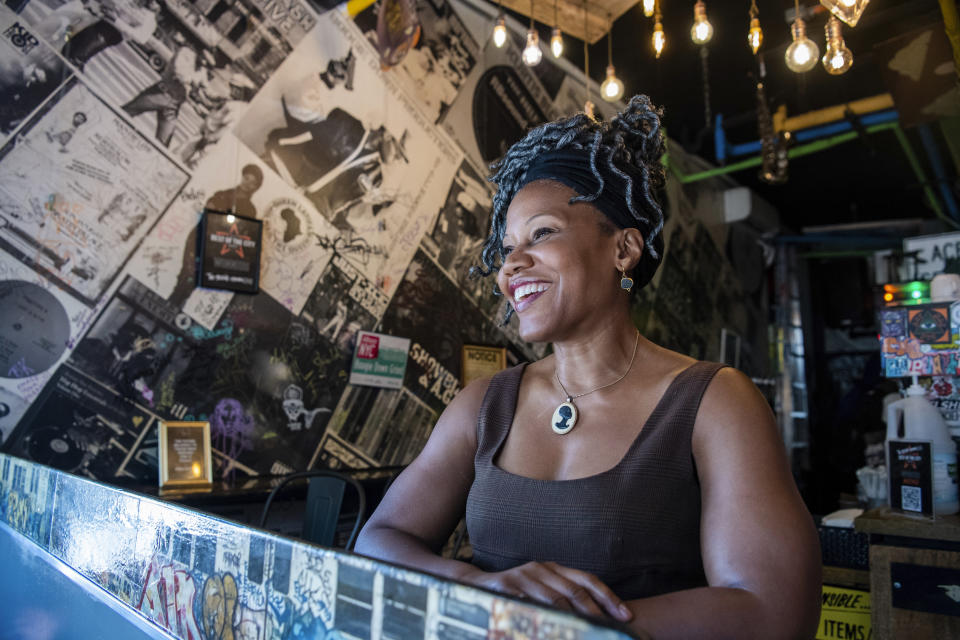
(230, 252)
(911, 478)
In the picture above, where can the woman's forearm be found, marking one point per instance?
(396, 546)
(718, 613)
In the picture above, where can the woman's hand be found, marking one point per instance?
(556, 585)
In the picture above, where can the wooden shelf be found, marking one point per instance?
(883, 521)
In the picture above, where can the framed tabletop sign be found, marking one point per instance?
(478, 362)
(185, 456)
(230, 252)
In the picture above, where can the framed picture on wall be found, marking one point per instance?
(185, 456)
(230, 252)
(480, 361)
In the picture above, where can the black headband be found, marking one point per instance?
(573, 168)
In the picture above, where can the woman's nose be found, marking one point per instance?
(517, 259)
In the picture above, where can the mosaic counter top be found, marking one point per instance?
(198, 577)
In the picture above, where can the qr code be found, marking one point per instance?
(910, 498)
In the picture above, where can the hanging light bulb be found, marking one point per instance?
(500, 32)
(556, 39)
(847, 10)
(803, 52)
(838, 58)
(648, 7)
(702, 30)
(556, 43)
(659, 39)
(532, 55)
(755, 35)
(611, 89)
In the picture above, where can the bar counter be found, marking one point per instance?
(148, 568)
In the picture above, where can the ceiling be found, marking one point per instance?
(865, 180)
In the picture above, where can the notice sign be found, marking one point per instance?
(185, 455)
(911, 478)
(379, 360)
(844, 613)
(230, 252)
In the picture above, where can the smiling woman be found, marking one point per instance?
(660, 495)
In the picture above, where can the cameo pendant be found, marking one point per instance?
(564, 417)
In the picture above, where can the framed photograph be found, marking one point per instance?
(230, 252)
(185, 456)
(478, 362)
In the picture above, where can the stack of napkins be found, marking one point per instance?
(841, 518)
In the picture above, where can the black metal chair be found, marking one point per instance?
(324, 500)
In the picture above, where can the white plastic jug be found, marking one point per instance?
(922, 422)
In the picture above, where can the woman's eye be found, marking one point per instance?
(505, 251)
(542, 231)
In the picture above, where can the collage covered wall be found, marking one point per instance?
(126, 118)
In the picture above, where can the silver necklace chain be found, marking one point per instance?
(609, 384)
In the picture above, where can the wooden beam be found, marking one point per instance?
(570, 15)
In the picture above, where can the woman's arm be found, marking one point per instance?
(760, 548)
(426, 501)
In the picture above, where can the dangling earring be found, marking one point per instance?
(626, 282)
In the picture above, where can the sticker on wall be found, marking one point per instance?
(893, 323)
(34, 329)
(379, 360)
(930, 324)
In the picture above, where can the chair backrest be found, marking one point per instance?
(324, 501)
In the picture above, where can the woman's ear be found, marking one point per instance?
(629, 248)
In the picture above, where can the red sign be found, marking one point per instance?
(369, 347)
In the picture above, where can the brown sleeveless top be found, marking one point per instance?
(635, 526)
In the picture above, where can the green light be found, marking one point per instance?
(916, 294)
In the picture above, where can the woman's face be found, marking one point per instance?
(560, 269)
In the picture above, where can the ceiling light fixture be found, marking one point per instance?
(532, 55)
(612, 88)
(648, 6)
(838, 58)
(702, 30)
(500, 30)
(803, 52)
(755, 35)
(659, 39)
(556, 40)
(847, 10)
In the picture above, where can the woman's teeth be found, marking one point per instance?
(525, 290)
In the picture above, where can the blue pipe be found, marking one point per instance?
(822, 131)
(926, 138)
(719, 140)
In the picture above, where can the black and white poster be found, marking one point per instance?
(83, 427)
(353, 144)
(39, 324)
(29, 71)
(435, 69)
(81, 222)
(173, 65)
(461, 229)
